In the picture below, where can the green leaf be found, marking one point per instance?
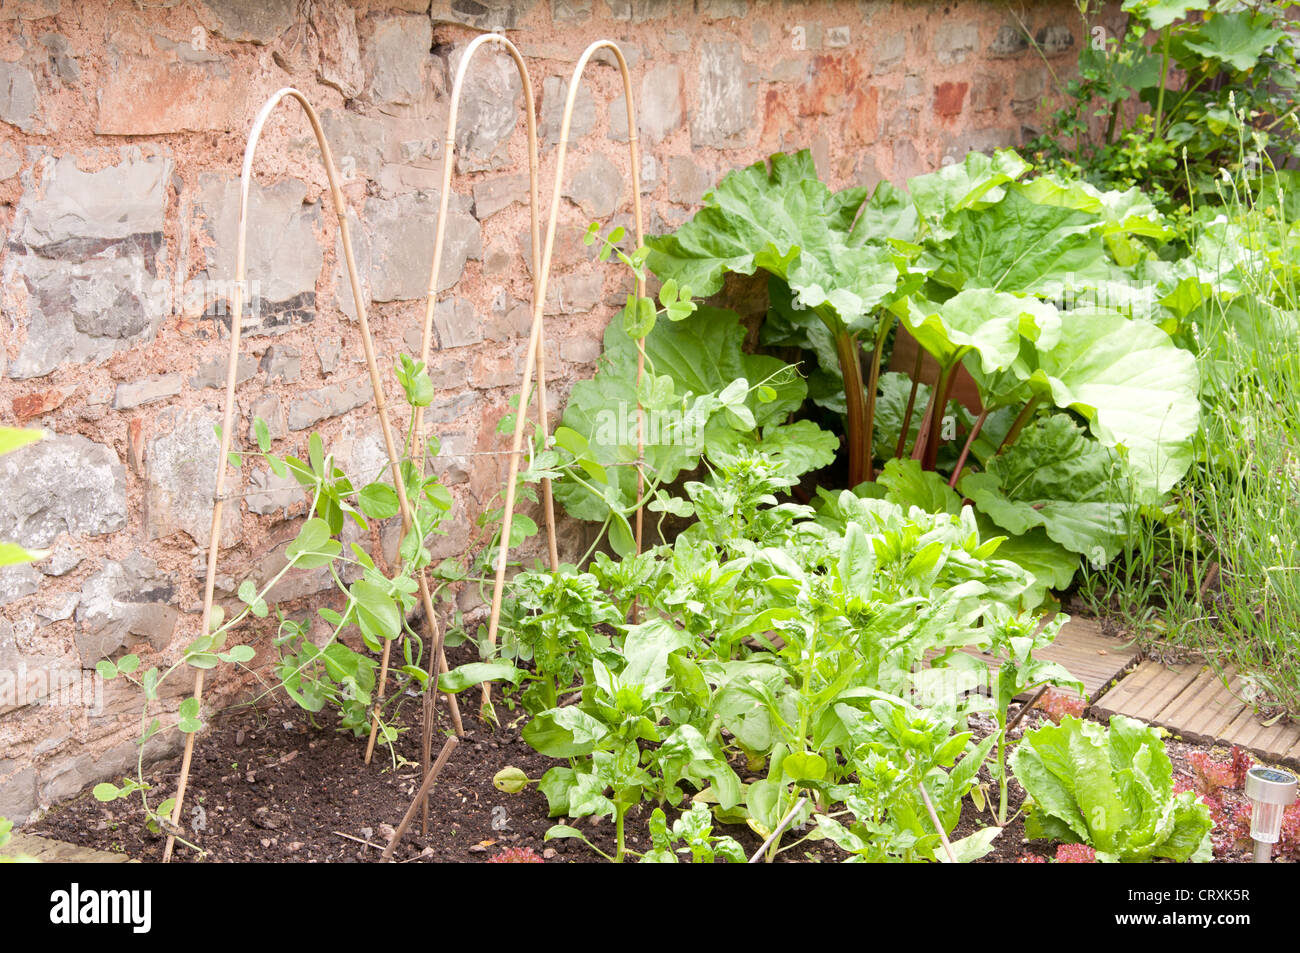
(969, 848)
(378, 501)
(1019, 246)
(804, 767)
(975, 182)
(316, 454)
(907, 484)
(377, 614)
(128, 664)
(1160, 13)
(106, 792)
(562, 831)
(1057, 477)
(556, 784)
(1235, 39)
(702, 356)
(783, 220)
(638, 317)
(564, 733)
(106, 669)
(888, 214)
(313, 546)
(263, 434)
(475, 673)
(796, 448)
(1134, 386)
(988, 323)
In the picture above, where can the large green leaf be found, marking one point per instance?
(908, 485)
(1051, 564)
(783, 220)
(988, 323)
(1056, 477)
(788, 326)
(1160, 13)
(564, 733)
(1234, 39)
(796, 448)
(699, 356)
(889, 214)
(1121, 214)
(1019, 245)
(1136, 388)
(976, 182)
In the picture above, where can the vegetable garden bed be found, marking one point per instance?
(272, 786)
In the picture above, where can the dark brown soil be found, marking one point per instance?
(267, 785)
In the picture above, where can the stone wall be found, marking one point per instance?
(122, 128)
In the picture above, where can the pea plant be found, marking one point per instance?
(376, 603)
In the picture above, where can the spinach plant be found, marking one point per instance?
(694, 831)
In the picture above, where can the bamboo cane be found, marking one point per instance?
(340, 207)
(426, 343)
(539, 301)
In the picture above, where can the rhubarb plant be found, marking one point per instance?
(1026, 285)
(782, 220)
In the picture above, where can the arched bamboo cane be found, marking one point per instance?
(539, 302)
(448, 168)
(367, 342)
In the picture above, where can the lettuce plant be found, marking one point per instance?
(1111, 789)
